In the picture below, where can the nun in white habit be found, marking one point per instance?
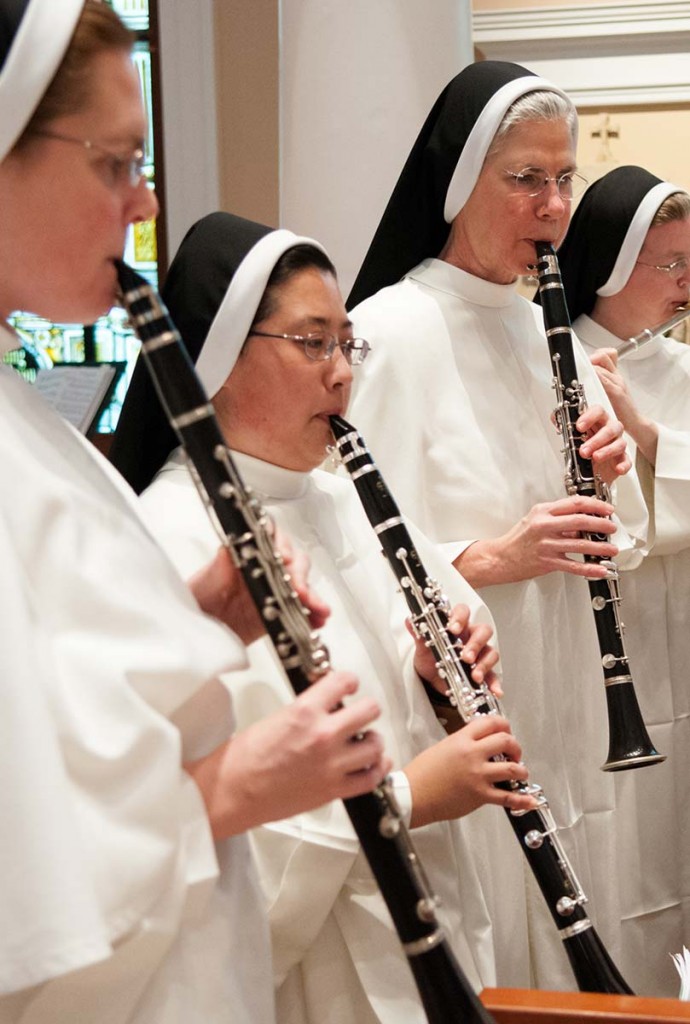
(110, 897)
(456, 405)
(337, 958)
(116, 904)
(625, 265)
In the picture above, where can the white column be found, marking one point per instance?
(189, 114)
(357, 80)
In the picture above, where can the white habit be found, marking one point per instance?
(337, 958)
(113, 909)
(455, 403)
(656, 599)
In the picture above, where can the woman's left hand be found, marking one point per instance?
(604, 443)
(220, 590)
(644, 432)
(476, 651)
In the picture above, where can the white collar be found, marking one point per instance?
(265, 479)
(445, 277)
(596, 336)
(269, 481)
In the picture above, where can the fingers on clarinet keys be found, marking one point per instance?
(520, 796)
(377, 765)
(379, 757)
(445, 708)
(531, 796)
(611, 574)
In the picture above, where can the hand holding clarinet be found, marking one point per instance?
(630, 745)
(534, 826)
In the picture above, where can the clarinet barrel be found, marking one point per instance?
(629, 743)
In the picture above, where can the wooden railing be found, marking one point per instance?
(530, 1006)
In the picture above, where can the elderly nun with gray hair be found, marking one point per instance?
(456, 404)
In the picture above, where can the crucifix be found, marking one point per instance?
(606, 131)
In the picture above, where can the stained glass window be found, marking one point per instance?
(109, 339)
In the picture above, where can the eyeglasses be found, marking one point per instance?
(322, 346)
(118, 169)
(675, 269)
(532, 181)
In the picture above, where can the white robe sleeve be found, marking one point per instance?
(50, 918)
(302, 861)
(105, 841)
(311, 868)
(672, 491)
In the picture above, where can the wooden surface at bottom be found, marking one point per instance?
(531, 1006)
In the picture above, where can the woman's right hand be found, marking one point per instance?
(540, 542)
(300, 757)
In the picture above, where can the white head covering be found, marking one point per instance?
(442, 169)
(34, 37)
(635, 236)
(607, 232)
(213, 290)
(471, 159)
(236, 313)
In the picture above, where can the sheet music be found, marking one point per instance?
(76, 392)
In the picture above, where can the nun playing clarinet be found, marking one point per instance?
(127, 889)
(261, 314)
(456, 401)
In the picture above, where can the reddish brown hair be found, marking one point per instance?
(99, 29)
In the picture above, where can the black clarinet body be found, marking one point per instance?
(535, 830)
(629, 743)
(445, 992)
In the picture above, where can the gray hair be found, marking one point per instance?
(675, 207)
(542, 105)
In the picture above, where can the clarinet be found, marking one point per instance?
(536, 830)
(445, 992)
(629, 743)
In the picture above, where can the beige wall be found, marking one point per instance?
(247, 76)
(493, 5)
(318, 103)
(654, 136)
(658, 138)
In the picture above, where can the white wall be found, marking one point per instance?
(357, 79)
(189, 114)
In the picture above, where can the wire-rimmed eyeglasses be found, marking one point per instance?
(121, 169)
(675, 269)
(318, 346)
(532, 181)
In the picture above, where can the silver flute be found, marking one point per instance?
(632, 344)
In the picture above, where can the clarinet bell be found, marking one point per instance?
(629, 743)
